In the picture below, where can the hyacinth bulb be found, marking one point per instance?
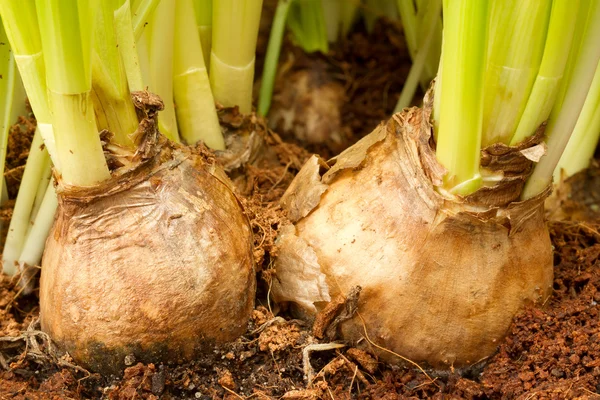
(442, 276)
(156, 262)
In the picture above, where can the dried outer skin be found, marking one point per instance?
(157, 263)
(244, 138)
(441, 277)
(515, 163)
(577, 197)
(307, 107)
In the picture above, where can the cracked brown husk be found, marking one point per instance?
(155, 263)
(442, 276)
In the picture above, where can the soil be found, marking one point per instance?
(19, 142)
(550, 353)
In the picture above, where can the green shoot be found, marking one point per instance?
(41, 190)
(196, 113)
(21, 24)
(517, 35)
(583, 13)
(408, 17)
(33, 247)
(420, 61)
(462, 76)
(563, 19)
(417, 30)
(19, 223)
(567, 109)
(110, 93)
(235, 32)
(156, 55)
(3, 198)
(23, 33)
(339, 17)
(332, 15)
(307, 24)
(203, 10)
(582, 144)
(143, 9)
(8, 83)
(434, 53)
(7, 90)
(272, 56)
(126, 42)
(66, 28)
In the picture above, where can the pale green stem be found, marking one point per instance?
(127, 48)
(573, 52)
(41, 190)
(77, 140)
(203, 10)
(160, 64)
(564, 117)
(307, 24)
(461, 114)
(143, 50)
(433, 55)
(67, 33)
(196, 113)
(563, 20)
(35, 242)
(437, 98)
(19, 222)
(21, 24)
(517, 35)
(33, 248)
(272, 56)
(142, 15)
(416, 25)
(332, 13)
(584, 140)
(408, 17)
(416, 70)
(113, 107)
(235, 32)
(4, 197)
(8, 83)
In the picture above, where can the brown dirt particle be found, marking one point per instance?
(226, 379)
(308, 394)
(364, 359)
(279, 337)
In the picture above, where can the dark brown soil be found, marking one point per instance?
(373, 69)
(19, 142)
